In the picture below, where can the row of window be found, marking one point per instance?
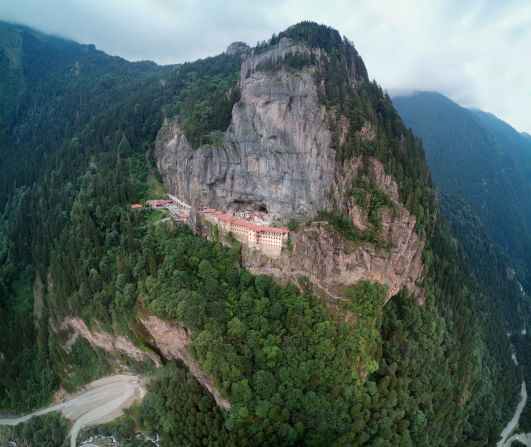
(268, 238)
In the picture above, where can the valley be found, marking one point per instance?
(481, 167)
(507, 436)
(339, 298)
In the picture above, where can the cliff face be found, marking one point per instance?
(276, 154)
(104, 340)
(170, 339)
(331, 262)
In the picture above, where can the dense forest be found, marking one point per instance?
(487, 261)
(521, 342)
(77, 140)
(482, 160)
(48, 430)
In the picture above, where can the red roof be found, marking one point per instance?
(259, 228)
(155, 202)
(136, 206)
(245, 223)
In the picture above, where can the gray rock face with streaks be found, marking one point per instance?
(276, 153)
(331, 262)
(237, 47)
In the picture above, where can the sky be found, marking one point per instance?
(477, 52)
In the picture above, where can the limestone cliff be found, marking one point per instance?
(276, 154)
(279, 155)
(331, 262)
(171, 341)
(104, 340)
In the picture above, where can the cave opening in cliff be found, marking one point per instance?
(249, 205)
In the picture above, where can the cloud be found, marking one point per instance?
(475, 52)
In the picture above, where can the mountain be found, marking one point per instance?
(483, 160)
(59, 86)
(278, 157)
(373, 326)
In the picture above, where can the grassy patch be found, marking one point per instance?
(370, 198)
(155, 186)
(343, 226)
(152, 216)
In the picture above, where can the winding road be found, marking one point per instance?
(513, 423)
(524, 438)
(100, 402)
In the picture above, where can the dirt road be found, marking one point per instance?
(100, 402)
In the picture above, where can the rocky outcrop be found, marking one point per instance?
(331, 262)
(236, 48)
(172, 340)
(276, 154)
(106, 341)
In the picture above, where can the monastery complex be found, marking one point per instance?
(264, 238)
(268, 240)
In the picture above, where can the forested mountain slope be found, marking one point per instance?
(487, 261)
(57, 86)
(476, 156)
(297, 368)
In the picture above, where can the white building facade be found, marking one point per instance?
(266, 239)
